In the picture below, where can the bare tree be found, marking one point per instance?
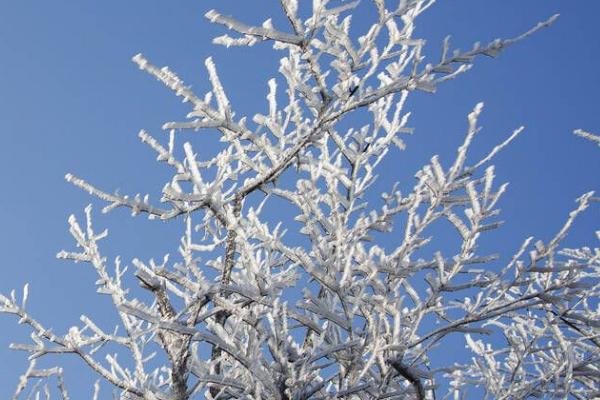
(245, 313)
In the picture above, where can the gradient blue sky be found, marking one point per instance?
(71, 101)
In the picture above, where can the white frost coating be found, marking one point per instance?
(588, 136)
(272, 99)
(222, 100)
(244, 311)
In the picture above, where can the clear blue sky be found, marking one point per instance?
(71, 101)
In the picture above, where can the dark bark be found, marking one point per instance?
(410, 376)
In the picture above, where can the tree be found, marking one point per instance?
(245, 312)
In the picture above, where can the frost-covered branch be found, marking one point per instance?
(349, 292)
(588, 136)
